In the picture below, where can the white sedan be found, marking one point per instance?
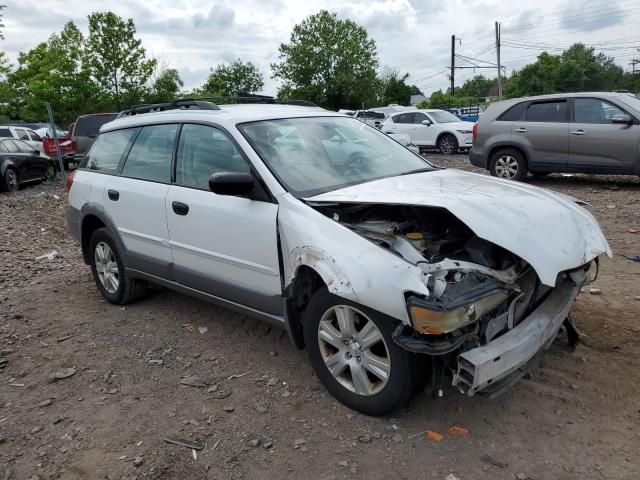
(431, 129)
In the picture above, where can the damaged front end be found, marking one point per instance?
(485, 314)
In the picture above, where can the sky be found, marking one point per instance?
(412, 36)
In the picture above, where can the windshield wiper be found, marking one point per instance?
(419, 170)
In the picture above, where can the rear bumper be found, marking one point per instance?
(478, 159)
(493, 367)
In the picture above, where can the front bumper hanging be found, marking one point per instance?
(493, 367)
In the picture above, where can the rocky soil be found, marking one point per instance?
(174, 388)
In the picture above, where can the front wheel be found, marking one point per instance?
(352, 352)
(509, 164)
(448, 144)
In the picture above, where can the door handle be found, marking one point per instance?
(578, 132)
(113, 195)
(180, 208)
(521, 130)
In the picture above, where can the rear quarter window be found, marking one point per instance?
(5, 133)
(514, 113)
(108, 149)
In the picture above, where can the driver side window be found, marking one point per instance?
(203, 151)
(420, 117)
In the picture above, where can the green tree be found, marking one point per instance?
(577, 69)
(479, 86)
(165, 84)
(329, 61)
(53, 72)
(235, 79)
(394, 88)
(116, 59)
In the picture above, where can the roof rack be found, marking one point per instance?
(258, 99)
(179, 104)
(204, 103)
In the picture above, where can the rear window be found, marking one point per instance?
(514, 113)
(108, 149)
(90, 126)
(5, 133)
(550, 112)
(150, 156)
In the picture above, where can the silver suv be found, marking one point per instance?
(576, 132)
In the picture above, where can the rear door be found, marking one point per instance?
(223, 245)
(543, 133)
(135, 199)
(19, 161)
(598, 145)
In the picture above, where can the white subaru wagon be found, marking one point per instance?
(388, 270)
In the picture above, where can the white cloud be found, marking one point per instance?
(412, 35)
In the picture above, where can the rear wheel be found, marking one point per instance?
(109, 273)
(448, 144)
(352, 352)
(509, 164)
(10, 182)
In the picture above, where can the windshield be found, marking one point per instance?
(632, 101)
(440, 116)
(319, 154)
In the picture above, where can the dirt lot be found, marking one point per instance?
(576, 417)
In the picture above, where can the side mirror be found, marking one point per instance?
(622, 118)
(426, 122)
(232, 183)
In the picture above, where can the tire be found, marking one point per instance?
(371, 394)
(448, 144)
(124, 289)
(10, 180)
(509, 164)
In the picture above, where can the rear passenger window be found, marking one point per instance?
(514, 114)
(22, 134)
(107, 150)
(547, 112)
(203, 151)
(404, 118)
(150, 156)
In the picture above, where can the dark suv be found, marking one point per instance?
(571, 132)
(85, 129)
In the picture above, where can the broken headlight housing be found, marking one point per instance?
(432, 318)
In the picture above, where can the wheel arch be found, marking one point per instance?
(94, 217)
(305, 283)
(496, 148)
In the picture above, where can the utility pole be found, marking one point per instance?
(453, 67)
(499, 68)
(633, 64)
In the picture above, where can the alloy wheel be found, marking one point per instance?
(12, 180)
(354, 350)
(107, 267)
(447, 145)
(506, 167)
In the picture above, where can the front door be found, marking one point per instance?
(596, 144)
(425, 135)
(222, 245)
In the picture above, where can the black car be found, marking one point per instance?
(21, 163)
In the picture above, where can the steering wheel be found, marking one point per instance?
(355, 164)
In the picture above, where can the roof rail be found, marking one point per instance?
(179, 104)
(258, 99)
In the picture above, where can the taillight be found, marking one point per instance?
(70, 176)
(49, 146)
(474, 131)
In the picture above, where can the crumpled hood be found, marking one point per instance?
(548, 230)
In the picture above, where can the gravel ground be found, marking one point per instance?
(123, 393)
